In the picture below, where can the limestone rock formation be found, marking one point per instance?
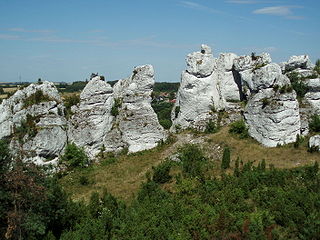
(119, 117)
(314, 142)
(207, 86)
(92, 119)
(34, 117)
(273, 117)
(137, 120)
(298, 62)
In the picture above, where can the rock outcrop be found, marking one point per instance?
(34, 117)
(91, 119)
(212, 86)
(117, 118)
(207, 86)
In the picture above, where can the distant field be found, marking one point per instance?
(10, 89)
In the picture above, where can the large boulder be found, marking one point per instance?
(34, 118)
(298, 62)
(314, 142)
(272, 117)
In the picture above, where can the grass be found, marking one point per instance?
(123, 177)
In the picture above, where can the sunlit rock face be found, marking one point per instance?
(119, 117)
(34, 118)
(207, 85)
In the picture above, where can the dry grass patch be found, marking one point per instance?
(251, 150)
(121, 178)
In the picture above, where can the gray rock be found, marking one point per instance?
(48, 136)
(273, 118)
(314, 141)
(295, 62)
(201, 64)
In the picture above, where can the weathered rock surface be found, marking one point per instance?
(92, 119)
(295, 62)
(273, 118)
(202, 93)
(137, 120)
(43, 134)
(119, 117)
(314, 142)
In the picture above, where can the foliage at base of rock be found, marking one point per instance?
(74, 156)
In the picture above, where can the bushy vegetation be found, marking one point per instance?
(161, 173)
(70, 101)
(163, 111)
(211, 127)
(314, 123)
(317, 67)
(225, 163)
(36, 98)
(298, 84)
(115, 108)
(256, 202)
(239, 128)
(74, 157)
(27, 128)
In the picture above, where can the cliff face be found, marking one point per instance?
(211, 87)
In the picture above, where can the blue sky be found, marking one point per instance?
(67, 40)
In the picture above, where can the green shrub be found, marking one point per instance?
(165, 123)
(239, 128)
(225, 163)
(314, 124)
(74, 156)
(115, 108)
(193, 160)
(163, 111)
(27, 127)
(265, 102)
(317, 67)
(36, 98)
(161, 172)
(298, 84)
(84, 180)
(70, 101)
(211, 127)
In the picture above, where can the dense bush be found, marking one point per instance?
(239, 128)
(211, 127)
(161, 173)
(317, 67)
(314, 123)
(74, 156)
(298, 84)
(115, 108)
(74, 87)
(27, 128)
(225, 163)
(193, 160)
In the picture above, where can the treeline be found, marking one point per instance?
(179, 200)
(79, 86)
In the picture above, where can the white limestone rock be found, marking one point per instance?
(49, 132)
(314, 141)
(92, 118)
(201, 63)
(296, 62)
(312, 97)
(265, 76)
(137, 121)
(273, 118)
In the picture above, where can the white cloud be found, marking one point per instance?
(249, 1)
(283, 11)
(197, 6)
(9, 37)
